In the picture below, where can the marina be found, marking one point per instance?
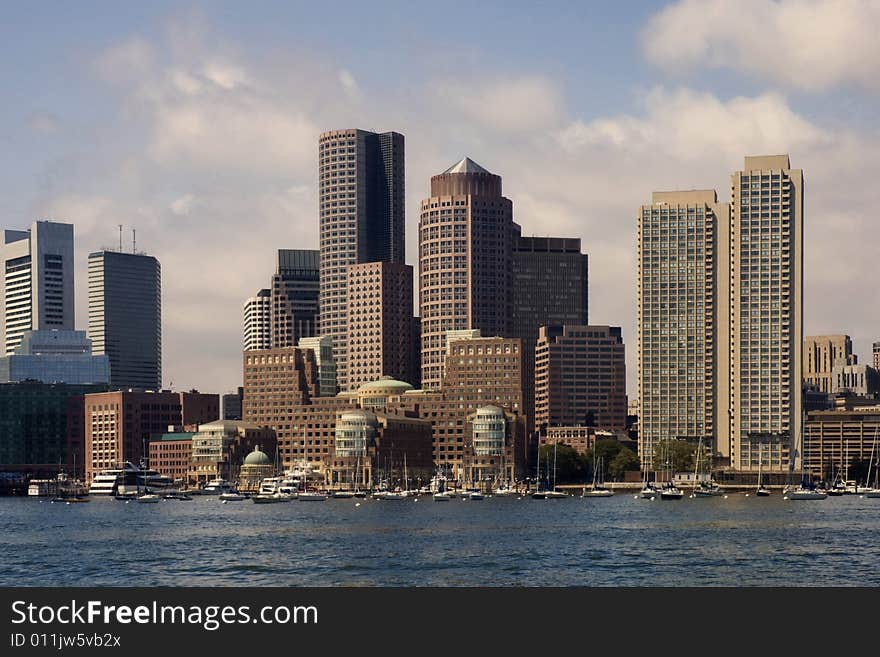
(624, 540)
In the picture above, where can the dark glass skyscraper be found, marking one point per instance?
(362, 211)
(550, 276)
(295, 296)
(125, 317)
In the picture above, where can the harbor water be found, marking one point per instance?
(618, 541)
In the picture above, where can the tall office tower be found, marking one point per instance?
(877, 355)
(257, 324)
(466, 236)
(415, 357)
(380, 312)
(682, 318)
(766, 318)
(125, 317)
(295, 290)
(550, 276)
(580, 377)
(322, 346)
(362, 210)
(821, 354)
(37, 284)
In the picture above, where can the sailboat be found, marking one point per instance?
(538, 494)
(805, 490)
(669, 491)
(649, 490)
(703, 488)
(873, 490)
(554, 494)
(598, 488)
(761, 490)
(396, 495)
(147, 497)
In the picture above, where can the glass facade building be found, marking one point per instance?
(125, 317)
(55, 357)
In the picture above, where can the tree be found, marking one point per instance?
(625, 460)
(570, 466)
(679, 454)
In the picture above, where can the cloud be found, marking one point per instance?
(45, 124)
(508, 104)
(803, 44)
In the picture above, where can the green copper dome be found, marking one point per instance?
(257, 457)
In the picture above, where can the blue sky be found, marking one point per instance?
(196, 124)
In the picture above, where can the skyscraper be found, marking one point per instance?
(766, 318)
(125, 317)
(682, 318)
(876, 350)
(380, 322)
(257, 324)
(295, 291)
(550, 276)
(322, 346)
(580, 377)
(362, 213)
(466, 235)
(37, 286)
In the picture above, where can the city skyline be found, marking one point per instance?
(183, 78)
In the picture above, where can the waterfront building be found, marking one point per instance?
(38, 430)
(721, 317)
(220, 448)
(821, 354)
(580, 438)
(275, 380)
(256, 466)
(362, 219)
(839, 437)
(125, 317)
(232, 403)
(550, 288)
(494, 436)
(379, 321)
(766, 315)
(580, 377)
(682, 286)
(54, 356)
(118, 425)
(36, 291)
(170, 453)
(466, 236)
(379, 448)
(322, 346)
(295, 292)
(481, 371)
(257, 322)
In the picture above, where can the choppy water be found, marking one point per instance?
(617, 541)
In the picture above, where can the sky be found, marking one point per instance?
(197, 124)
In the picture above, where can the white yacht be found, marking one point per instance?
(803, 492)
(129, 479)
(217, 487)
(311, 496)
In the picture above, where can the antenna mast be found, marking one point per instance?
(120, 238)
(134, 240)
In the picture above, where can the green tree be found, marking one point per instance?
(571, 467)
(677, 453)
(625, 461)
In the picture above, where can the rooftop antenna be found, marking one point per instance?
(120, 238)
(134, 241)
